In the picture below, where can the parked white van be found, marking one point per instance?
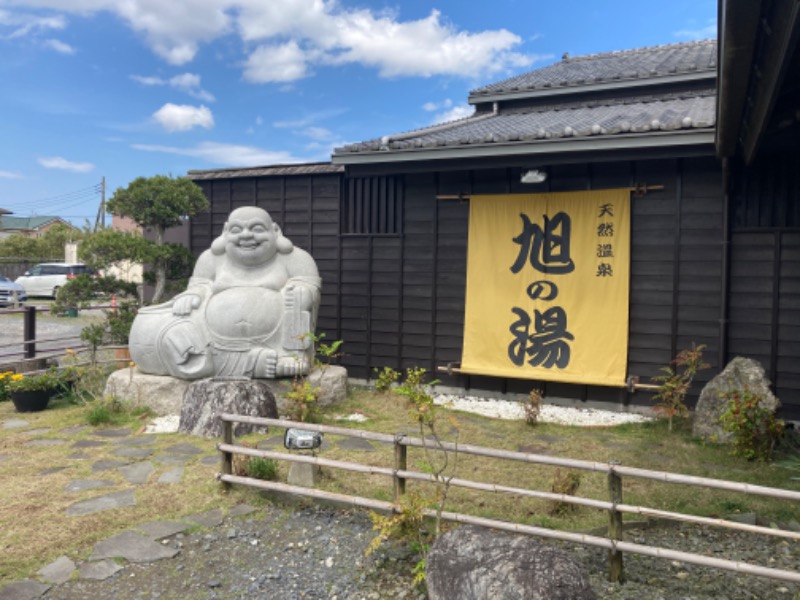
(46, 278)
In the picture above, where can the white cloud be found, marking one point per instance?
(287, 38)
(309, 119)
(460, 111)
(10, 175)
(23, 24)
(232, 155)
(432, 106)
(182, 117)
(188, 83)
(279, 63)
(59, 46)
(57, 162)
(698, 33)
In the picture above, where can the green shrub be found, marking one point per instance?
(262, 468)
(104, 412)
(386, 377)
(755, 429)
(676, 381)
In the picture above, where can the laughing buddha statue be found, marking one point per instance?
(250, 309)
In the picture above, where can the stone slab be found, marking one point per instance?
(99, 570)
(46, 442)
(80, 485)
(240, 510)
(15, 423)
(78, 455)
(212, 459)
(133, 547)
(275, 440)
(88, 444)
(101, 503)
(113, 433)
(304, 475)
(58, 571)
(184, 448)
(4, 457)
(163, 395)
(105, 465)
(172, 459)
(133, 452)
(137, 473)
(139, 440)
(211, 518)
(157, 530)
(23, 590)
(75, 430)
(172, 476)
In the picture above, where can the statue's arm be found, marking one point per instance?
(199, 285)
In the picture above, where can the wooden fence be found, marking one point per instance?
(615, 507)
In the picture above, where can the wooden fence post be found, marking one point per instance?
(615, 566)
(29, 327)
(400, 464)
(227, 457)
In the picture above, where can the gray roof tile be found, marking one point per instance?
(267, 171)
(640, 63)
(671, 112)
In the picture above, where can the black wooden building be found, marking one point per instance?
(715, 231)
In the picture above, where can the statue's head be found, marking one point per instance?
(250, 237)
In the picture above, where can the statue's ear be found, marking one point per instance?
(283, 244)
(218, 245)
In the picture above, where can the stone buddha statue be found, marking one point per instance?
(249, 311)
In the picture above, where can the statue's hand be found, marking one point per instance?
(289, 366)
(183, 305)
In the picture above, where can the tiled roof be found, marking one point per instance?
(26, 223)
(274, 171)
(641, 63)
(642, 114)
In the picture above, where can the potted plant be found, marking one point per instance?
(31, 392)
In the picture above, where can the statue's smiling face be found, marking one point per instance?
(250, 238)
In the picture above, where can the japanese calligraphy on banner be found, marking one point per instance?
(547, 286)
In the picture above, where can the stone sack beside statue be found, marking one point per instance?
(250, 309)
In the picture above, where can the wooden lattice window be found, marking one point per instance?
(373, 206)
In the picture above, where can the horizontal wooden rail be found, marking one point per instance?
(580, 538)
(502, 489)
(597, 467)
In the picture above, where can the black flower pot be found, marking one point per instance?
(31, 401)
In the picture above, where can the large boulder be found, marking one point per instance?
(472, 563)
(162, 394)
(713, 401)
(206, 398)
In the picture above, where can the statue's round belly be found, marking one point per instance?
(244, 313)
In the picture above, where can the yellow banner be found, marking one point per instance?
(547, 286)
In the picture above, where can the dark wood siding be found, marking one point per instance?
(398, 299)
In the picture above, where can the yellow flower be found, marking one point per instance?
(17, 376)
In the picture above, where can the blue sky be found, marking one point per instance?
(127, 88)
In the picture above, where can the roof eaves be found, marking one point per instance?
(621, 84)
(559, 146)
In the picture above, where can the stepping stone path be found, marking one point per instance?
(139, 545)
(352, 443)
(101, 503)
(137, 473)
(80, 485)
(113, 433)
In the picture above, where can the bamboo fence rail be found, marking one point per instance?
(614, 544)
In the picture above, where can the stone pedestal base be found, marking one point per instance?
(162, 394)
(332, 382)
(206, 398)
(304, 475)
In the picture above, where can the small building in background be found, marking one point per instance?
(32, 227)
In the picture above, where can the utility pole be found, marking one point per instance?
(101, 211)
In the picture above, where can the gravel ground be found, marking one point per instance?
(318, 552)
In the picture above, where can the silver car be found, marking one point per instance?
(7, 289)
